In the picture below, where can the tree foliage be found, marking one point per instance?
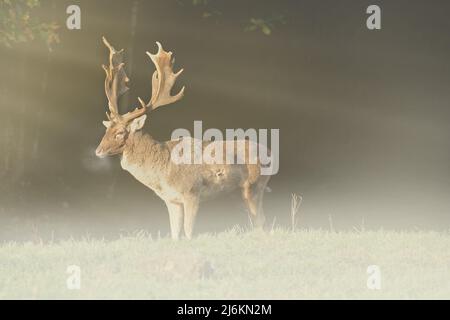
(19, 23)
(265, 23)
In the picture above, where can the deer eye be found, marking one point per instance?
(119, 136)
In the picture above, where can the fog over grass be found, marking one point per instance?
(307, 264)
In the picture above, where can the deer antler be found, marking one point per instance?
(116, 80)
(163, 79)
(162, 82)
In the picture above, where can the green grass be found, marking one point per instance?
(235, 265)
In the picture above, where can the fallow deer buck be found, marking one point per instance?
(181, 186)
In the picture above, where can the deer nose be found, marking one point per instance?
(99, 152)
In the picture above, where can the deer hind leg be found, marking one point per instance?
(261, 187)
(191, 205)
(253, 196)
(176, 218)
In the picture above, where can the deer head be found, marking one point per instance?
(120, 127)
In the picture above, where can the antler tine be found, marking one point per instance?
(110, 47)
(116, 80)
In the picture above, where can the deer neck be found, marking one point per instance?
(146, 159)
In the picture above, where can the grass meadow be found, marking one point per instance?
(238, 264)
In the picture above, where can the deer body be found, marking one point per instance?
(181, 186)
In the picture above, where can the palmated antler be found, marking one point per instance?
(116, 80)
(163, 79)
(162, 82)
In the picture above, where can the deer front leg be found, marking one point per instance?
(190, 213)
(176, 218)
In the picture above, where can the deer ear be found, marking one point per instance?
(107, 124)
(138, 123)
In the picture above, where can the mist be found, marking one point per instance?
(363, 115)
